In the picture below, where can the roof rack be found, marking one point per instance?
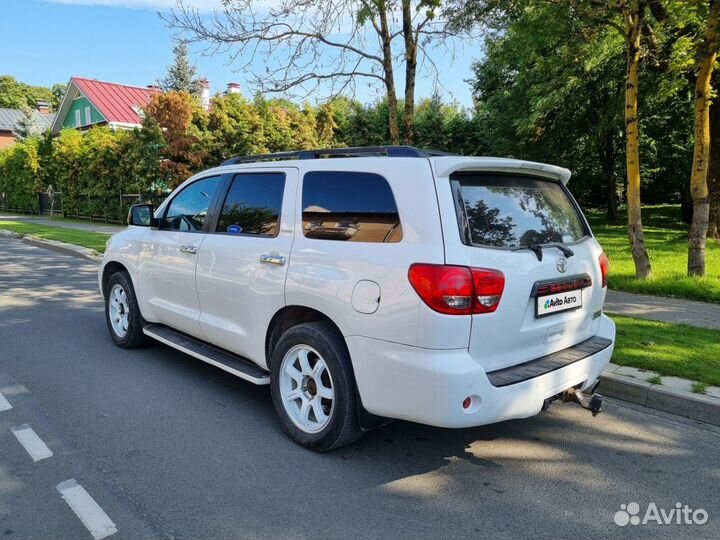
(358, 151)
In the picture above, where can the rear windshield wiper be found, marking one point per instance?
(537, 249)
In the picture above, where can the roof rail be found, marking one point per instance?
(358, 151)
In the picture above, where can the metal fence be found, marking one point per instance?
(87, 207)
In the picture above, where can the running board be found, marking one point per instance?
(227, 361)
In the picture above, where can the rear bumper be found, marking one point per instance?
(429, 386)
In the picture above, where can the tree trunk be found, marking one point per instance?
(410, 72)
(389, 77)
(707, 54)
(714, 171)
(635, 228)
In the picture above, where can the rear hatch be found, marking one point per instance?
(529, 227)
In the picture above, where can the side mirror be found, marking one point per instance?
(141, 215)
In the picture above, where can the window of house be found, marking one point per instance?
(88, 116)
(78, 118)
(188, 210)
(253, 204)
(349, 206)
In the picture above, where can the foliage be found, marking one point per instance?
(675, 350)
(18, 95)
(172, 115)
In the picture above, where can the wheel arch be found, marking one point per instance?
(110, 268)
(290, 316)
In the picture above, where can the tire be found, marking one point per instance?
(312, 419)
(122, 312)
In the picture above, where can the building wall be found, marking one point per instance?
(80, 104)
(6, 139)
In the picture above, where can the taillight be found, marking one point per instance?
(604, 268)
(457, 290)
(489, 286)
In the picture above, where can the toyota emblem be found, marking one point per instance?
(561, 265)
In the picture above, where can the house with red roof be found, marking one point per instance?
(89, 103)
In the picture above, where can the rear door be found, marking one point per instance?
(552, 296)
(243, 261)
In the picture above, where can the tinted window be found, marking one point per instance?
(252, 205)
(188, 210)
(513, 211)
(350, 206)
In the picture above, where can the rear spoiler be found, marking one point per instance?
(446, 165)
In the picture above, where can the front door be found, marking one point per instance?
(168, 257)
(243, 261)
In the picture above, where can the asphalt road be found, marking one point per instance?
(169, 447)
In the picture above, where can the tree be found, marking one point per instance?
(172, 114)
(18, 95)
(181, 73)
(633, 16)
(324, 46)
(714, 171)
(27, 126)
(58, 93)
(706, 55)
(628, 18)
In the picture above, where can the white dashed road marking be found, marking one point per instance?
(4, 404)
(85, 507)
(31, 442)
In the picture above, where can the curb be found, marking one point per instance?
(54, 245)
(696, 406)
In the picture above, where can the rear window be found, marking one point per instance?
(350, 207)
(508, 211)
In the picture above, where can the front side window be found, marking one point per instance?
(253, 204)
(188, 210)
(509, 211)
(349, 206)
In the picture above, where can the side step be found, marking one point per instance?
(232, 363)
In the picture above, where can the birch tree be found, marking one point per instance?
(706, 56)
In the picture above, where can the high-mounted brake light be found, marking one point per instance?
(604, 268)
(457, 290)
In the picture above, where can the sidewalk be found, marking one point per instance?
(658, 308)
(65, 223)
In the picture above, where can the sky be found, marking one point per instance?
(125, 41)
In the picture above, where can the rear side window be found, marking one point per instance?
(508, 211)
(349, 206)
(252, 205)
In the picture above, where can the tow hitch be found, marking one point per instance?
(592, 401)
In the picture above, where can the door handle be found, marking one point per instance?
(272, 259)
(192, 250)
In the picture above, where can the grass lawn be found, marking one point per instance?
(669, 349)
(666, 241)
(92, 240)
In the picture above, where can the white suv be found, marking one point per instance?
(367, 284)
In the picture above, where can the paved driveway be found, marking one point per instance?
(169, 447)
